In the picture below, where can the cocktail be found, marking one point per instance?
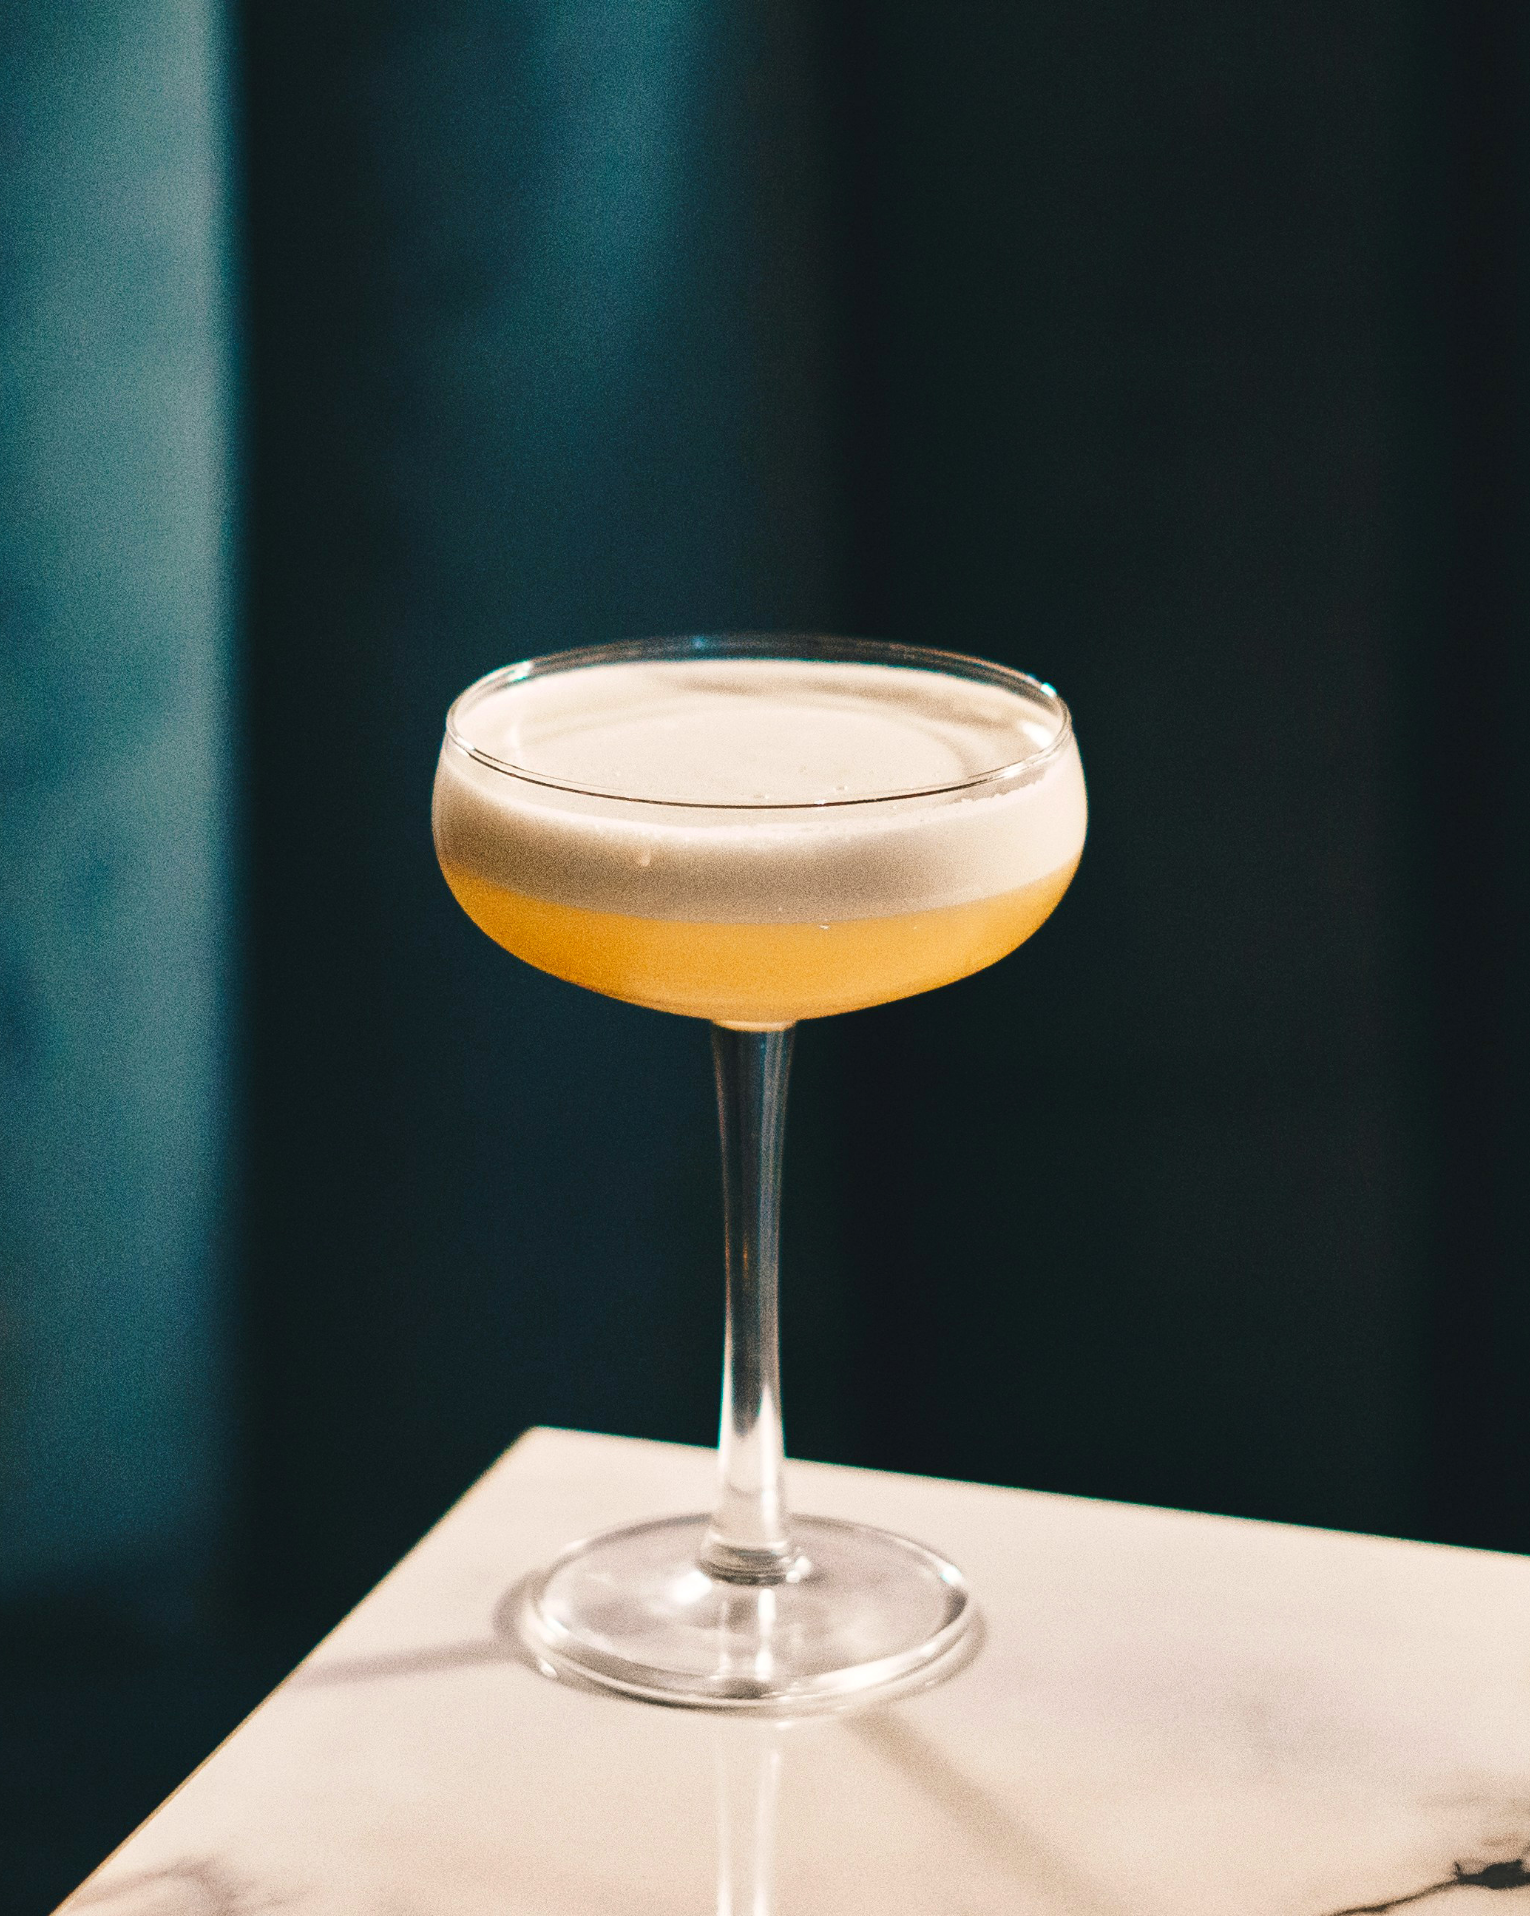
(754, 831)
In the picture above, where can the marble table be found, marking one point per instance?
(1168, 1713)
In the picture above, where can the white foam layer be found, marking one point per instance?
(757, 733)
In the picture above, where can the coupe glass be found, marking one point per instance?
(754, 881)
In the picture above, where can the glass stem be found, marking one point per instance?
(748, 1542)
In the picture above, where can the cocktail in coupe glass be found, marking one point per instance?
(755, 830)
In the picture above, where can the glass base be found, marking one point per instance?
(858, 1610)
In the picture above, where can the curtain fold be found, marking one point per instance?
(117, 784)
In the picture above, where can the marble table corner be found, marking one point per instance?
(1167, 1713)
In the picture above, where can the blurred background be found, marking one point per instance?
(1180, 355)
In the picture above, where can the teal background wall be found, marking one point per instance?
(117, 785)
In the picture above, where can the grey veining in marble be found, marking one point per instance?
(1169, 1713)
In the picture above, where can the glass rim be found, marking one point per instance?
(785, 646)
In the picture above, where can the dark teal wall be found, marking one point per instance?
(115, 780)
(1173, 356)
(540, 329)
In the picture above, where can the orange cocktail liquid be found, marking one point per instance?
(757, 974)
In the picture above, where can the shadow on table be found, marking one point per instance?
(508, 1644)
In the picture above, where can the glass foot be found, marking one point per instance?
(858, 1610)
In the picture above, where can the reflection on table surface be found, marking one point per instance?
(749, 1757)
